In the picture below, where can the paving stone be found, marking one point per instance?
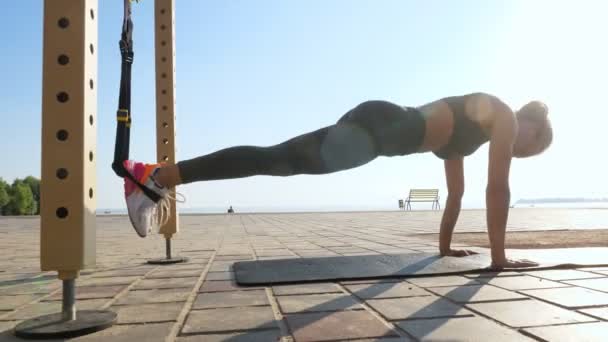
(563, 274)
(229, 319)
(153, 296)
(234, 257)
(522, 283)
(317, 254)
(318, 302)
(220, 276)
(386, 290)
(340, 325)
(12, 302)
(528, 313)
(460, 329)
(168, 273)
(597, 312)
(92, 292)
(570, 297)
(442, 281)
(221, 266)
(122, 272)
(224, 285)
(230, 299)
(147, 313)
(417, 307)
(475, 293)
(107, 281)
(305, 289)
(44, 287)
(44, 308)
(4, 326)
(588, 332)
(174, 283)
(493, 274)
(152, 332)
(600, 284)
(245, 336)
(371, 281)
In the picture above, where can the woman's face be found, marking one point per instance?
(528, 141)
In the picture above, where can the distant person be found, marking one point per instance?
(230, 210)
(451, 128)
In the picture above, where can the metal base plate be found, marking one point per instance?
(53, 325)
(166, 261)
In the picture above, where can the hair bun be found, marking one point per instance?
(535, 109)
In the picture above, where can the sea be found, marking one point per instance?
(330, 208)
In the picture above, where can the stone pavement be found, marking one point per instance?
(199, 300)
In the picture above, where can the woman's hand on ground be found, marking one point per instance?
(511, 263)
(458, 253)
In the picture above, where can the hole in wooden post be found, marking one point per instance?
(62, 135)
(164, 107)
(165, 141)
(164, 91)
(62, 173)
(63, 97)
(91, 83)
(163, 43)
(165, 158)
(63, 59)
(162, 11)
(90, 192)
(163, 59)
(90, 155)
(62, 212)
(165, 125)
(92, 14)
(63, 22)
(163, 75)
(91, 119)
(92, 48)
(163, 27)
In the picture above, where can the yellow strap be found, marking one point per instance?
(122, 118)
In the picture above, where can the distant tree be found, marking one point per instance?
(34, 184)
(21, 199)
(4, 196)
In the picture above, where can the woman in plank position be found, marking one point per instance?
(451, 128)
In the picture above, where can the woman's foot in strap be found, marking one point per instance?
(145, 214)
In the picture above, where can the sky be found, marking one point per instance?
(261, 72)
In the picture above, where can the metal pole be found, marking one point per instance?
(69, 300)
(168, 245)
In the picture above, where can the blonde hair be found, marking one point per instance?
(537, 112)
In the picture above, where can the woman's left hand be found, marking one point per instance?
(458, 253)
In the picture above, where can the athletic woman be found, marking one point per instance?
(451, 128)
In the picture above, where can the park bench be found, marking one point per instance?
(421, 195)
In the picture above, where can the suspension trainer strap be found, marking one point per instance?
(123, 115)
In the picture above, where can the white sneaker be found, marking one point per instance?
(145, 214)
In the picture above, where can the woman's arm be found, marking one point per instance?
(498, 194)
(454, 176)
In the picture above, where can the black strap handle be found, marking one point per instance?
(123, 115)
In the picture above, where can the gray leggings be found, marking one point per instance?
(372, 129)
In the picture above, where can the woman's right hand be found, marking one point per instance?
(511, 263)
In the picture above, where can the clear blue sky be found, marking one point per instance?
(260, 72)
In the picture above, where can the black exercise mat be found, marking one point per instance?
(303, 270)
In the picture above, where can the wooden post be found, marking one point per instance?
(68, 162)
(164, 23)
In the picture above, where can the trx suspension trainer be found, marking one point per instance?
(123, 115)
